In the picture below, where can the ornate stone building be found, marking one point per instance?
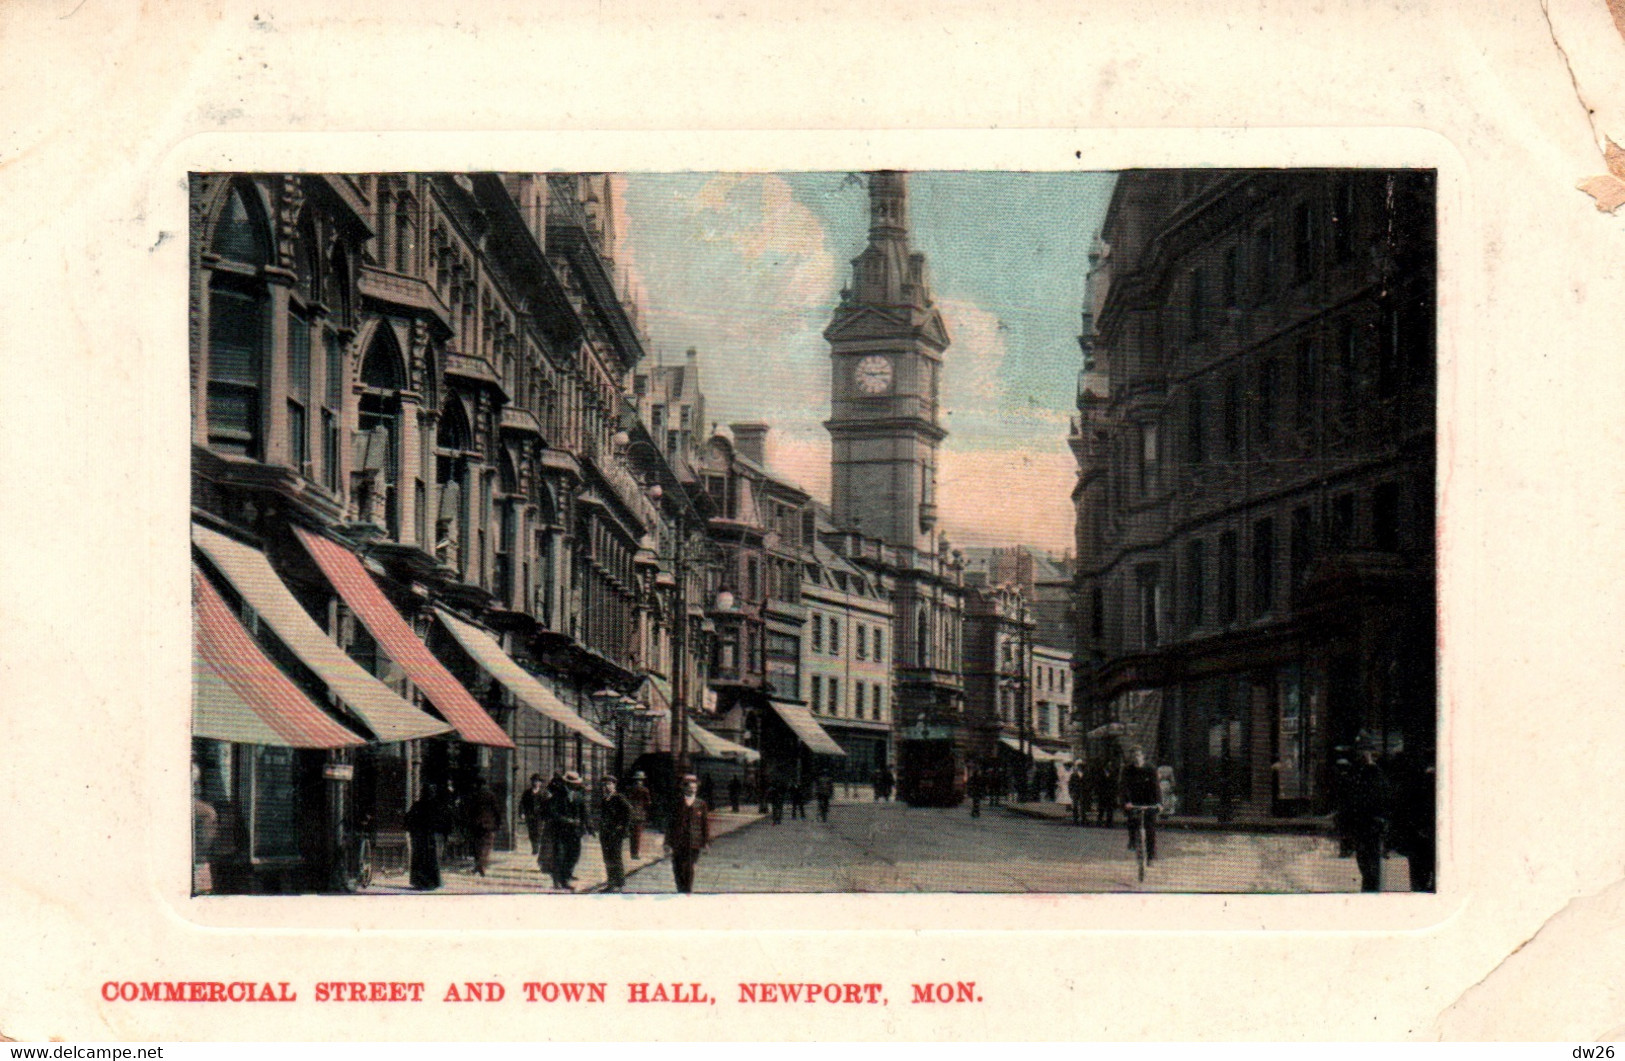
(1255, 442)
(415, 490)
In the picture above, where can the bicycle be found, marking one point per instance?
(355, 857)
(1140, 814)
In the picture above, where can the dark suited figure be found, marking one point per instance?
(1078, 789)
(798, 799)
(973, 788)
(775, 799)
(1105, 794)
(1414, 835)
(689, 833)
(824, 793)
(641, 800)
(614, 823)
(1365, 818)
(484, 819)
(533, 808)
(422, 822)
(567, 819)
(734, 788)
(1140, 789)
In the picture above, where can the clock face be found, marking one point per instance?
(873, 374)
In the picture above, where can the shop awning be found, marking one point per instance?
(1038, 753)
(455, 704)
(804, 726)
(660, 696)
(389, 717)
(238, 694)
(717, 747)
(523, 685)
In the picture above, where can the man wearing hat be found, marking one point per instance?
(638, 795)
(614, 822)
(567, 817)
(533, 808)
(689, 833)
(1365, 815)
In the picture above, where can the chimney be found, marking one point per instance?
(750, 440)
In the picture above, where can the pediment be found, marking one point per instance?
(868, 322)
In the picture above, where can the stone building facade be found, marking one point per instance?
(1255, 502)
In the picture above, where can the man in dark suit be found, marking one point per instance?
(614, 822)
(642, 800)
(689, 834)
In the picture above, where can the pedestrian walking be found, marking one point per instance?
(533, 808)
(734, 791)
(1078, 790)
(708, 790)
(973, 788)
(1366, 814)
(824, 793)
(689, 834)
(1413, 831)
(484, 819)
(798, 799)
(775, 800)
(1105, 793)
(1141, 795)
(423, 820)
(567, 817)
(614, 823)
(639, 796)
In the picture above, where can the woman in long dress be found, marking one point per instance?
(422, 821)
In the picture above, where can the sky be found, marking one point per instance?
(747, 268)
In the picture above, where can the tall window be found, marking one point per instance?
(1303, 242)
(879, 644)
(1195, 430)
(1227, 576)
(332, 403)
(1302, 545)
(298, 392)
(1264, 423)
(857, 699)
(863, 641)
(239, 327)
(1150, 601)
(377, 457)
(1150, 457)
(1263, 566)
(1303, 412)
(452, 475)
(507, 529)
(834, 636)
(817, 695)
(1232, 416)
(1264, 264)
(818, 633)
(834, 696)
(1195, 574)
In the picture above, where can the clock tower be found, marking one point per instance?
(886, 343)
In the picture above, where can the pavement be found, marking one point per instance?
(889, 847)
(517, 871)
(1306, 826)
(870, 846)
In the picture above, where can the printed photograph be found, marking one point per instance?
(813, 532)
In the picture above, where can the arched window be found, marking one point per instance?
(452, 476)
(239, 326)
(377, 457)
(508, 503)
(547, 521)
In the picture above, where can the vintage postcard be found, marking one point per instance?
(1072, 583)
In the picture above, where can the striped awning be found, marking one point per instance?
(455, 704)
(807, 729)
(719, 747)
(484, 650)
(384, 713)
(238, 694)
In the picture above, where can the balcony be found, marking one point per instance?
(406, 291)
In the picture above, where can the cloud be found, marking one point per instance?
(1017, 495)
(975, 356)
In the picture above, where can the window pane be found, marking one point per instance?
(233, 419)
(275, 830)
(299, 359)
(238, 235)
(236, 336)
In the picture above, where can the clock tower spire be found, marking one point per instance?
(886, 345)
